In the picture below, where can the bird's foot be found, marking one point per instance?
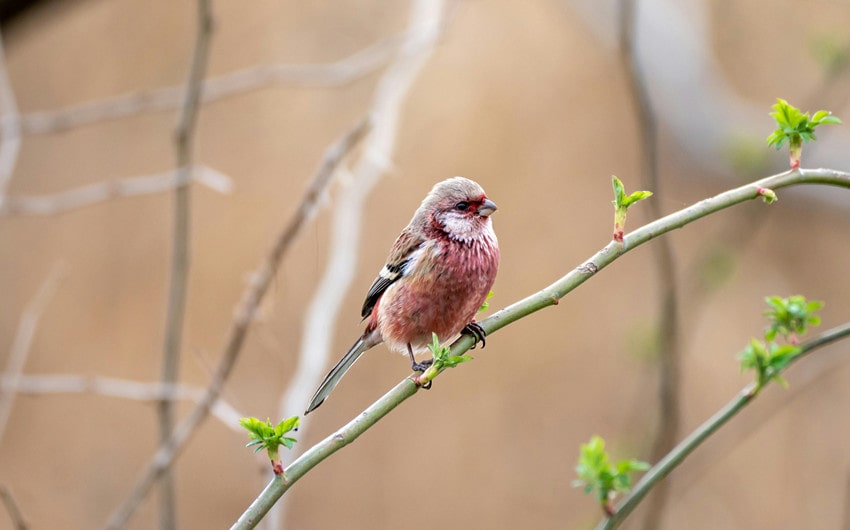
(477, 332)
(421, 367)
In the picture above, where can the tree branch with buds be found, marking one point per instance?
(544, 298)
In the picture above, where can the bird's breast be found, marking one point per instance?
(441, 292)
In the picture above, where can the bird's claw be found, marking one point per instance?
(421, 366)
(477, 332)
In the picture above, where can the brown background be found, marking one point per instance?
(525, 98)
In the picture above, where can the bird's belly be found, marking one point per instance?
(442, 302)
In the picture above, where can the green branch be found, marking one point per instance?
(548, 296)
(675, 457)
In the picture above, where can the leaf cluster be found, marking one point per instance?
(443, 358)
(596, 472)
(270, 437)
(789, 318)
(794, 126)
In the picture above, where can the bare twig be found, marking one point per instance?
(338, 73)
(425, 24)
(845, 525)
(83, 196)
(10, 128)
(179, 285)
(12, 508)
(44, 384)
(23, 340)
(668, 318)
(244, 314)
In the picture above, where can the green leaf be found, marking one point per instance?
(270, 437)
(796, 127)
(596, 473)
(621, 205)
(790, 316)
(619, 191)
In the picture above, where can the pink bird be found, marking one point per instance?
(439, 272)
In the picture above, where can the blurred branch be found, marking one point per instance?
(703, 112)
(337, 73)
(424, 27)
(39, 385)
(669, 393)
(10, 128)
(180, 251)
(244, 314)
(23, 341)
(711, 458)
(12, 508)
(549, 296)
(846, 521)
(83, 196)
(703, 432)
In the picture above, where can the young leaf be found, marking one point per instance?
(622, 202)
(270, 437)
(795, 128)
(596, 473)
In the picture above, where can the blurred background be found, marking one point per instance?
(536, 101)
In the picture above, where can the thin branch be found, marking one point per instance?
(846, 519)
(10, 128)
(334, 74)
(424, 28)
(88, 195)
(45, 384)
(703, 432)
(12, 508)
(245, 312)
(23, 340)
(180, 251)
(544, 298)
(667, 361)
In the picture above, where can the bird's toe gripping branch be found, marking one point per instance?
(443, 359)
(477, 332)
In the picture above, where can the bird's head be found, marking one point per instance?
(459, 208)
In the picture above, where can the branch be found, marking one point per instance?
(180, 255)
(701, 433)
(23, 340)
(667, 362)
(346, 70)
(10, 128)
(11, 505)
(83, 196)
(44, 384)
(547, 297)
(244, 314)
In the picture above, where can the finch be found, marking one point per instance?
(437, 275)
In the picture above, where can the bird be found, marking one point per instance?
(438, 274)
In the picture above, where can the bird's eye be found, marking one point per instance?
(462, 206)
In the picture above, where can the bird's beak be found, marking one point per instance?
(487, 207)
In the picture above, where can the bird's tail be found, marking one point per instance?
(336, 374)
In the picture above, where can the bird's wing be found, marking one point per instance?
(401, 256)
